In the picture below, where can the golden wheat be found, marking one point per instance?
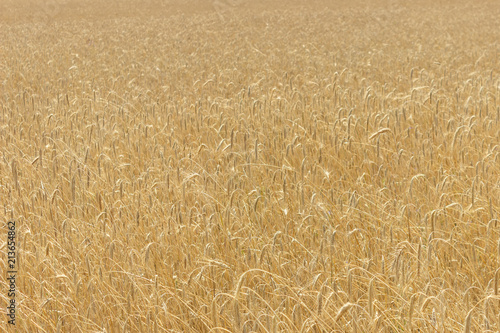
(251, 167)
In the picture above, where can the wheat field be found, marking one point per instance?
(246, 166)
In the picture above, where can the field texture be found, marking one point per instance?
(238, 166)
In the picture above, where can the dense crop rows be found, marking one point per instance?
(313, 169)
